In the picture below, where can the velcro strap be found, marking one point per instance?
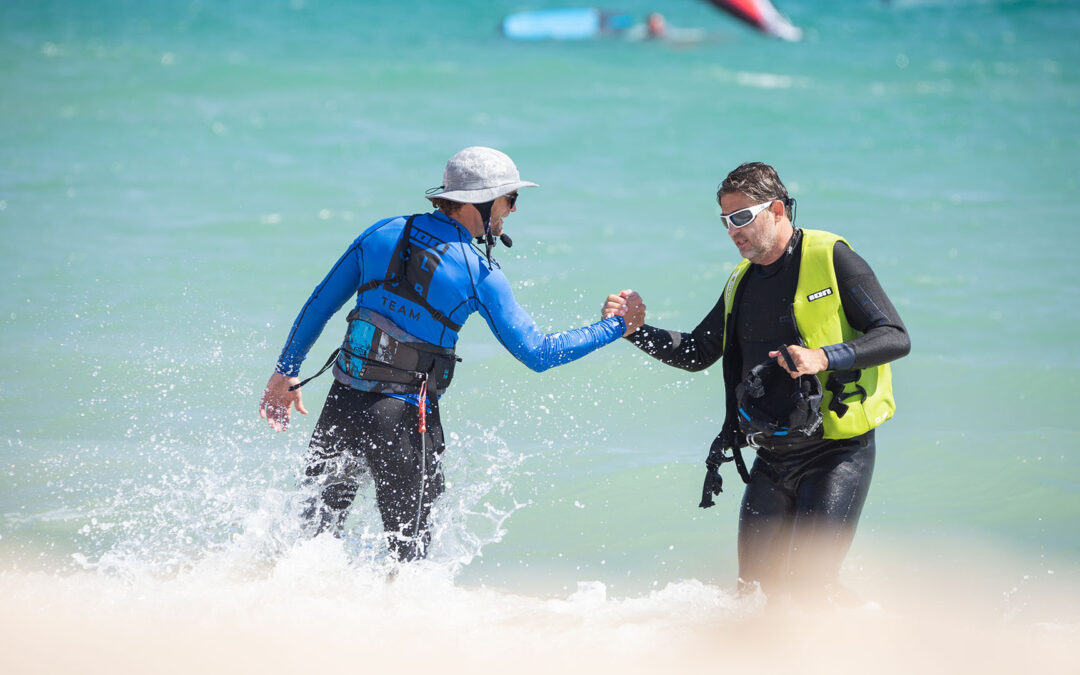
(836, 383)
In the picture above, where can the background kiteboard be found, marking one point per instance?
(580, 23)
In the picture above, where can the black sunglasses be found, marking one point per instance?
(511, 199)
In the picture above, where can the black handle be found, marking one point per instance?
(787, 359)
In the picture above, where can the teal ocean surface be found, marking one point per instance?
(176, 177)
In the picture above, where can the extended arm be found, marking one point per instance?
(691, 351)
(517, 331)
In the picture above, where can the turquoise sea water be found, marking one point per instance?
(175, 178)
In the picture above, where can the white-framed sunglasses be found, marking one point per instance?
(744, 217)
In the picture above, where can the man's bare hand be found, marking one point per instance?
(277, 401)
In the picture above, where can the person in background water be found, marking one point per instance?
(805, 292)
(416, 279)
(656, 25)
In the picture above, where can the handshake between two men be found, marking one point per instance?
(627, 304)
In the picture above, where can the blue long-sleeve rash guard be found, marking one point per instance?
(460, 283)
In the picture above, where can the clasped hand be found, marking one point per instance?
(627, 304)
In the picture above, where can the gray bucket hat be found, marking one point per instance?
(477, 175)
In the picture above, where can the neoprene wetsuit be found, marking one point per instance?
(805, 495)
(453, 280)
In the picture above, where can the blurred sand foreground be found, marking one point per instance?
(329, 617)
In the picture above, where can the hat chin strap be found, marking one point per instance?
(484, 208)
(489, 241)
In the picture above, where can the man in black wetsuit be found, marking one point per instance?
(809, 290)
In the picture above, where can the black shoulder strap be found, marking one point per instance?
(394, 282)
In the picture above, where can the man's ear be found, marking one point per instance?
(777, 209)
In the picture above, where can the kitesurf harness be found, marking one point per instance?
(372, 358)
(772, 404)
(761, 415)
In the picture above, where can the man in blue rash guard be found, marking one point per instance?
(416, 279)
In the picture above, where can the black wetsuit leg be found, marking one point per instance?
(765, 526)
(385, 432)
(799, 514)
(830, 497)
(334, 467)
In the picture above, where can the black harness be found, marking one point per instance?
(397, 367)
(759, 415)
(772, 404)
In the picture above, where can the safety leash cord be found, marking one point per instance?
(382, 364)
(423, 459)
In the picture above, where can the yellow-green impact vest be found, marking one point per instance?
(820, 320)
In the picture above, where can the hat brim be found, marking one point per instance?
(480, 196)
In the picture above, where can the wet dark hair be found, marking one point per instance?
(759, 182)
(446, 206)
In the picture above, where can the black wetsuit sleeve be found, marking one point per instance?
(692, 351)
(869, 311)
